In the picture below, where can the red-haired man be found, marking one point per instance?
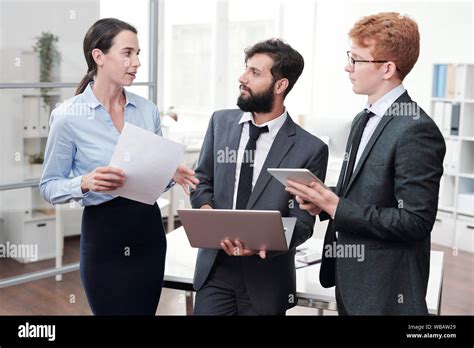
(377, 245)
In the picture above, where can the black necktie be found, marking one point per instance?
(246, 169)
(358, 131)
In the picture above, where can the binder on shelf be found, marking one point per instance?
(450, 81)
(442, 70)
(435, 80)
(447, 119)
(460, 79)
(438, 116)
(455, 114)
(30, 117)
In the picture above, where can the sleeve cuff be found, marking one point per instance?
(198, 203)
(170, 185)
(76, 190)
(341, 217)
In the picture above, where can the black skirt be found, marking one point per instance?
(123, 249)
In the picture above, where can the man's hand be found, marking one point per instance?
(309, 207)
(238, 249)
(314, 197)
(185, 177)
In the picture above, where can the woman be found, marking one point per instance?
(123, 243)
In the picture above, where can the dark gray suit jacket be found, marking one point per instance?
(271, 283)
(389, 208)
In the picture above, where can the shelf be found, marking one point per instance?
(444, 100)
(452, 109)
(39, 216)
(31, 95)
(447, 209)
(452, 100)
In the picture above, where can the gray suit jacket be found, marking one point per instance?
(389, 209)
(271, 283)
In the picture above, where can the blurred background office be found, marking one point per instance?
(191, 56)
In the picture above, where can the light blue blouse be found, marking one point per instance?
(82, 137)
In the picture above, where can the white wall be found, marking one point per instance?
(136, 14)
(446, 30)
(22, 21)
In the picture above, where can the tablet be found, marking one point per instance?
(256, 229)
(300, 175)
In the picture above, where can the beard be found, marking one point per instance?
(260, 103)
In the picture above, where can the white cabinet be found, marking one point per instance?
(443, 230)
(29, 224)
(40, 233)
(465, 233)
(36, 115)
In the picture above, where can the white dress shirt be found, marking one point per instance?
(379, 108)
(264, 143)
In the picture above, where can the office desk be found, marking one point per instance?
(181, 259)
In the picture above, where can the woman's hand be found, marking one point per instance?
(102, 179)
(185, 177)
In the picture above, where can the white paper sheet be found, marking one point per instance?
(149, 162)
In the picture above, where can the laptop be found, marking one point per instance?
(256, 229)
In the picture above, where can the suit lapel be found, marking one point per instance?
(234, 141)
(388, 116)
(281, 145)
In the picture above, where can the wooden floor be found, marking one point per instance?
(49, 297)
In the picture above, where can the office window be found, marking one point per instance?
(191, 68)
(186, 60)
(58, 27)
(203, 53)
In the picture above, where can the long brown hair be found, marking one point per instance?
(101, 36)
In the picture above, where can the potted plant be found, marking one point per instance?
(49, 55)
(36, 162)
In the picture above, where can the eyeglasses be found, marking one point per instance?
(352, 61)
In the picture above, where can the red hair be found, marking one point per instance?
(394, 37)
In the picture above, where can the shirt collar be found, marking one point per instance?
(273, 125)
(380, 107)
(91, 100)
